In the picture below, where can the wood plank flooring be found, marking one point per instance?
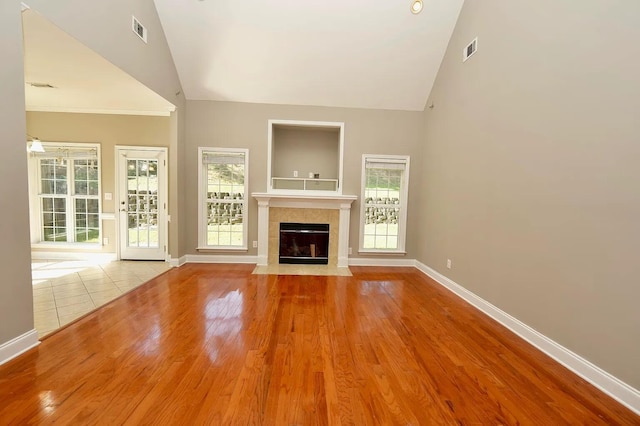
(214, 344)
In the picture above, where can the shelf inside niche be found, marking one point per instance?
(305, 156)
(304, 184)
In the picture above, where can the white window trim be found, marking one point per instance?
(34, 175)
(404, 203)
(202, 205)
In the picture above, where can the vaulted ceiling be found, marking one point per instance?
(81, 80)
(344, 53)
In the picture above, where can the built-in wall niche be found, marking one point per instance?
(305, 157)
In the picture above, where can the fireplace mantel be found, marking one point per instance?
(303, 201)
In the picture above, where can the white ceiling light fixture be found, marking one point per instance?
(416, 6)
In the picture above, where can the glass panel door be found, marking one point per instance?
(142, 195)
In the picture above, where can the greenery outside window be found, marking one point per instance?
(223, 189)
(66, 194)
(385, 183)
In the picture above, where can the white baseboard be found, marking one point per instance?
(18, 345)
(176, 263)
(612, 386)
(375, 261)
(63, 255)
(220, 258)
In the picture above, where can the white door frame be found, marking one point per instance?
(163, 186)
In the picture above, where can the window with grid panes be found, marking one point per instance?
(223, 198)
(385, 180)
(68, 188)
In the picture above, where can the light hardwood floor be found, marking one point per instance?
(216, 344)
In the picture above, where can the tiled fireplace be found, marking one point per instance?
(274, 209)
(304, 243)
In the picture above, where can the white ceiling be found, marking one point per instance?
(83, 80)
(345, 53)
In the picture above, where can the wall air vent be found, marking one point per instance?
(40, 85)
(139, 29)
(470, 49)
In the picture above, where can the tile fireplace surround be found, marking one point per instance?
(275, 208)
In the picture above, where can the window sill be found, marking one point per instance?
(222, 248)
(67, 246)
(383, 252)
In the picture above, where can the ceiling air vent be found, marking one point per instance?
(470, 49)
(139, 29)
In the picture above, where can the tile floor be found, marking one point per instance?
(65, 290)
(286, 269)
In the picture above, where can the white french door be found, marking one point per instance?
(142, 202)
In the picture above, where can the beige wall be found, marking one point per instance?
(108, 131)
(316, 151)
(16, 298)
(177, 176)
(531, 168)
(240, 125)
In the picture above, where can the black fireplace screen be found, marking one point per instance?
(306, 243)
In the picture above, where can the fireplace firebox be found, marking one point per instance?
(304, 243)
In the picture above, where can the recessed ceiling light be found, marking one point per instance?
(416, 6)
